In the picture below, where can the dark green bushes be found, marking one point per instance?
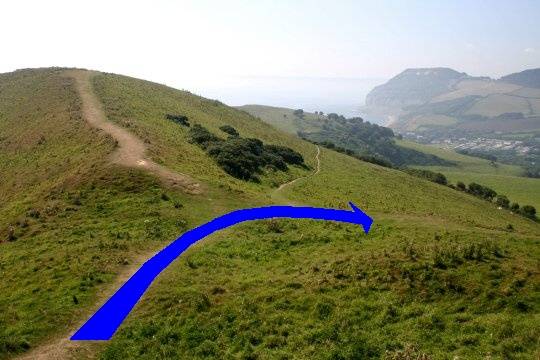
(528, 211)
(489, 194)
(179, 119)
(229, 130)
(374, 159)
(243, 158)
(481, 191)
(287, 154)
(429, 175)
(201, 136)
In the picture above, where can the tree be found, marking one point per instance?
(503, 201)
(528, 211)
(461, 186)
(179, 119)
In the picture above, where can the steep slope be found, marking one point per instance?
(527, 78)
(436, 262)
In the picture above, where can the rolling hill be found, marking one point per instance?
(441, 273)
(527, 78)
(441, 99)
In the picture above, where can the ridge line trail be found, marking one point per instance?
(274, 193)
(131, 149)
(130, 152)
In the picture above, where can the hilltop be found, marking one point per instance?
(442, 273)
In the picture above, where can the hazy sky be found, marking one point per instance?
(182, 43)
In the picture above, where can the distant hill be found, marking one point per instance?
(441, 99)
(528, 78)
(414, 87)
(353, 134)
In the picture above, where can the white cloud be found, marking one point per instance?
(530, 50)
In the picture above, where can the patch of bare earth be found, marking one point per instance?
(131, 150)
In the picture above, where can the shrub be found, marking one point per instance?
(461, 186)
(374, 160)
(244, 158)
(202, 137)
(299, 113)
(482, 191)
(514, 207)
(229, 130)
(528, 211)
(429, 175)
(503, 201)
(287, 154)
(179, 119)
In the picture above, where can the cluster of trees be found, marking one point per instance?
(502, 201)
(243, 158)
(478, 154)
(364, 157)
(435, 177)
(362, 137)
(179, 119)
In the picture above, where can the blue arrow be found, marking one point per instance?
(103, 324)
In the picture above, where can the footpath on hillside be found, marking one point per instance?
(131, 150)
(277, 196)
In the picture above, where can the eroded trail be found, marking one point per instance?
(131, 150)
(275, 193)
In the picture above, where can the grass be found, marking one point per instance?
(503, 178)
(439, 274)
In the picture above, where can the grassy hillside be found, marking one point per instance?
(441, 273)
(503, 178)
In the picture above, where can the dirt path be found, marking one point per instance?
(60, 347)
(131, 150)
(275, 193)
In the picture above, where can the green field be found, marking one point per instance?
(503, 178)
(441, 275)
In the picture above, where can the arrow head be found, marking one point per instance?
(363, 219)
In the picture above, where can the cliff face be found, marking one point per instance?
(414, 87)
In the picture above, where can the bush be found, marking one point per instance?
(528, 211)
(429, 175)
(229, 130)
(503, 201)
(514, 207)
(461, 186)
(374, 159)
(287, 154)
(201, 136)
(244, 158)
(299, 113)
(179, 119)
(482, 191)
